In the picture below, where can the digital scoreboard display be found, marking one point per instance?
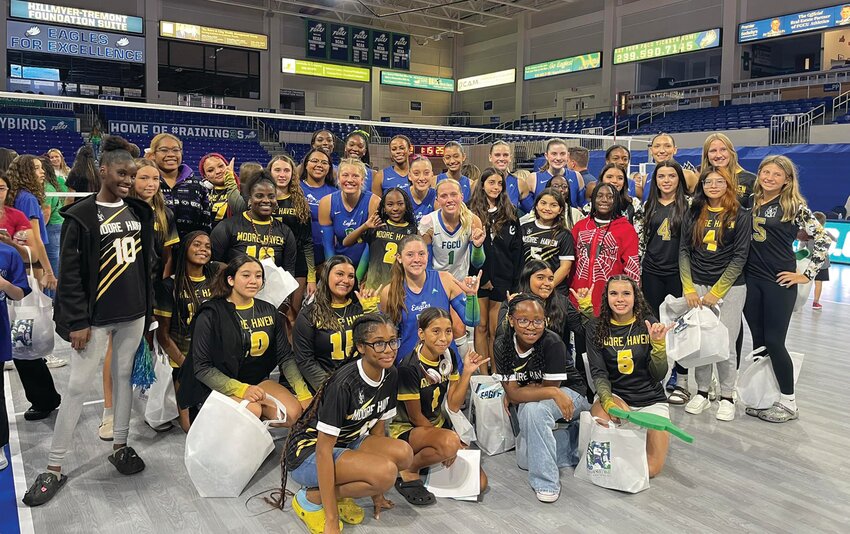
(671, 46)
(805, 21)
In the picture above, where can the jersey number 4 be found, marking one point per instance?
(125, 250)
(664, 230)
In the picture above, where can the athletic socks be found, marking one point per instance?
(462, 346)
(305, 502)
(788, 401)
(107, 412)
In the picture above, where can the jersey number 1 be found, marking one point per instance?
(339, 352)
(125, 250)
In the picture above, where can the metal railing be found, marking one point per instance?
(593, 144)
(647, 116)
(795, 128)
(840, 102)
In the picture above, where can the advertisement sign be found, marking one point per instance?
(839, 250)
(381, 48)
(324, 70)
(340, 42)
(679, 44)
(360, 46)
(180, 130)
(403, 79)
(486, 80)
(35, 123)
(805, 21)
(563, 66)
(317, 39)
(92, 44)
(401, 51)
(72, 16)
(205, 34)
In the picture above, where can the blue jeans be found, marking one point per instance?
(307, 474)
(54, 231)
(547, 447)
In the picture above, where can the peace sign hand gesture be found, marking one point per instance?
(658, 331)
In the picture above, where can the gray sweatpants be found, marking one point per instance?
(84, 366)
(731, 314)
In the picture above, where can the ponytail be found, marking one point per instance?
(394, 305)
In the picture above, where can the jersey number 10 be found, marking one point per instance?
(125, 250)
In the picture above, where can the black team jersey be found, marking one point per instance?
(416, 383)
(661, 256)
(258, 239)
(180, 311)
(627, 365)
(350, 405)
(303, 232)
(383, 247)
(319, 351)
(121, 285)
(218, 203)
(546, 243)
(523, 370)
(746, 184)
(716, 263)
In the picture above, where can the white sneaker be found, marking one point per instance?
(105, 430)
(548, 496)
(697, 404)
(4, 463)
(53, 362)
(9, 366)
(726, 411)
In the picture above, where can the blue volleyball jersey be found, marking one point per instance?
(425, 207)
(512, 188)
(345, 222)
(465, 186)
(393, 179)
(314, 195)
(433, 294)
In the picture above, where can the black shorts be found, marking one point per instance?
(496, 294)
(823, 275)
(175, 374)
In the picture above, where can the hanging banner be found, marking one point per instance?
(360, 46)
(324, 70)
(487, 80)
(35, 123)
(563, 66)
(92, 44)
(806, 21)
(381, 48)
(340, 39)
(317, 39)
(72, 16)
(401, 52)
(415, 81)
(180, 130)
(671, 46)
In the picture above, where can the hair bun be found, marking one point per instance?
(112, 143)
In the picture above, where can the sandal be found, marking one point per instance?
(779, 413)
(754, 412)
(679, 396)
(44, 488)
(415, 492)
(350, 512)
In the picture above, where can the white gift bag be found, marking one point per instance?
(612, 457)
(460, 424)
(462, 480)
(757, 386)
(226, 445)
(698, 338)
(278, 283)
(492, 423)
(161, 406)
(31, 323)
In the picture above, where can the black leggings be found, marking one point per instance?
(38, 384)
(655, 288)
(768, 310)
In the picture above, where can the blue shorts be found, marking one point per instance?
(307, 474)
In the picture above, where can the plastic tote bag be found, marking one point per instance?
(460, 424)
(492, 423)
(699, 338)
(278, 284)
(226, 446)
(612, 457)
(757, 386)
(803, 290)
(161, 406)
(31, 323)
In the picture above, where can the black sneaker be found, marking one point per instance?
(46, 485)
(34, 414)
(126, 461)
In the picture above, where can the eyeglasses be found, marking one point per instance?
(381, 346)
(522, 322)
(321, 162)
(165, 151)
(716, 183)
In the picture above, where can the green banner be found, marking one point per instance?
(680, 44)
(324, 70)
(415, 81)
(563, 66)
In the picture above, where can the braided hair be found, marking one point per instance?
(641, 310)
(361, 329)
(504, 349)
(408, 217)
(182, 282)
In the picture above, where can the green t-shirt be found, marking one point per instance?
(55, 203)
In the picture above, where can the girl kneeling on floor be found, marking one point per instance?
(626, 350)
(427, 376)
(338, 450)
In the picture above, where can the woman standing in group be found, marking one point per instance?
(338, 450)
(414, 287)
(503, 253)
(146, 189)
(423, 196)
(664, 215)
(105, 293)
(237, 341)
(177, 299)
(454, 157)
(13, 286)
(357, 147)
(317, 182)
(84, 176)
(343, 211)
(546, 237)
(556, 165)
(256, 232)
(626, 350)
(712, 254)
(662, 148)
(294, 211)
(779, 213)
(572, 214)
(184, 192)
(57, 161)
(322, 335)
(225, 198)
(382, 233)
(396, 174)
(53, 183)
(631, 206)
(718, 151)
(500, 158)
(606, 245)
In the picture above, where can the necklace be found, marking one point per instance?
(268, 236)
(250, 325)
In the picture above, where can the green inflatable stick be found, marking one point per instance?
(652, 421)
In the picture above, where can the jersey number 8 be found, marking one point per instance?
(625, 363)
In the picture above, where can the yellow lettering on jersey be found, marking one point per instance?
(339, 350)
(664, 230)
(264, 239)
(710, 240)
(625, 363)
(759, 231)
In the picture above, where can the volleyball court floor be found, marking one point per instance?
(739, 476)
